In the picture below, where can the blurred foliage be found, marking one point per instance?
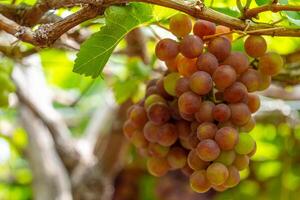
(274, 172)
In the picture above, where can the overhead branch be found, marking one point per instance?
(253, 12)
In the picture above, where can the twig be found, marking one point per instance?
(253, 12)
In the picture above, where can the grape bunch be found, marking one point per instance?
(196, 118)
(6, 86)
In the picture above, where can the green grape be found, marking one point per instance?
(170, 83)
(226, 157)
(245, 144)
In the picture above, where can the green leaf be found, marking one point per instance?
(262, 2)
(95, 52)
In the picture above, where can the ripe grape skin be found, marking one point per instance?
(207, 62)
(176, 158)
(138, 139)
(157, 166)
(201, 83)
(180, 25)
(252, 153)
(187, 171)
(251, 79)
(191, 46)
(241, 162)
(187, 117)
(172, 64)
(224, 76)
(195, 162)
(154, 98)
(189, 103)
(221, 112)
(270, 64)
(220, 47)
(249, 126)
(235, 93)
(186, 66)
(206, 130)
(193, 140)
(233, 177)
(224, 29)
(158, 113)
(182, 86)
(199, 182)
(208, 150)
(255, 46)
(161, 89)
(205, 112)
(226, 157)
(265, 81)
(174, 110)
(167, 135)
(151, 90)
(138, 115)
(128, 128)
(253, 102)
(245, 144)
(203, 28)
(238, 61)
(183, 129)
(227, 138)
(167, 49)
(151, 131)
(217, 173)
(157, 150)
(170, 83)
(240, 113)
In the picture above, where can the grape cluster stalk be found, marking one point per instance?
(196, 118)
(6, 86)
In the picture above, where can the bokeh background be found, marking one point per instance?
(56, 109)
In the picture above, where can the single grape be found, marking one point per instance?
(205, 112)
(235, 93)
(186, 66)
(207, 62)
(238, 61)
(191, 46)
(217, 173)
(167, 49)
(255, 46)
(128, 128)
(138, 115)
(227, 138)
(206, 130)
(151, 131)
(193, 140)
(221, 112)
(189, 103)
(157, 150)
(180, 25)
(201, 83)
(161, 89)
(138, 139)
(187, 117)
(158, 113)
(241, 162)
(208, 150)
(154, 98)
(170, 83)
(245, 144)
(176, 158)
(167, 135)
(157, 166)
(220, 47)
(226, 157)
(182, 86)
(253, 102)
(224, 76)
(265, 81)
(198, 182)
(151, 90)
(203, 28)
(183, 129)
(253, 151)
(195, 162)
(240, 113)
(233, 177)
(224, 29)
(249, 126)
(270, 64)
(251, 79)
